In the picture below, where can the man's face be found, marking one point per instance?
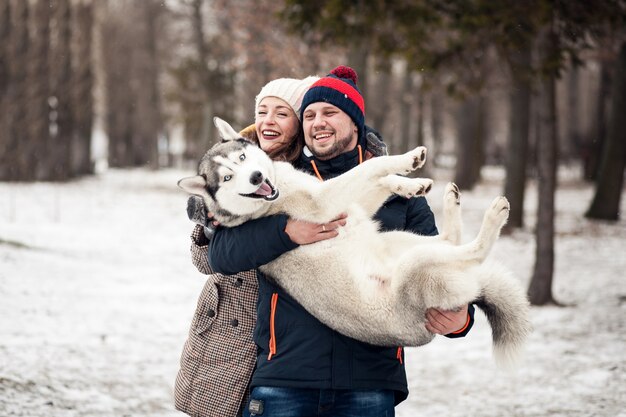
(328, 131)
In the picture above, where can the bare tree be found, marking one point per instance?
(118, 78)
(540, 289)
(470, 141)
(207, 131)
(61, 88)
(15, 163)
(39, 93)
(83, 103)
(519, 129)
(606, 201)
(380, 94)
(592, 149)
(571, 138)
(147, 121)
(406, 103)
(436, 119)
(5, 38)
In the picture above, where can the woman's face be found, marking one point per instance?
(276, 123)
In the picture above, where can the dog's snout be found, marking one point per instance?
(256, 178)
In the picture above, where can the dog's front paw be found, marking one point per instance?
(408, 187)
(415, 159)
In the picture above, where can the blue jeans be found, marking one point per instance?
(301, 402)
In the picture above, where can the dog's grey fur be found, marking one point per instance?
(370, 285)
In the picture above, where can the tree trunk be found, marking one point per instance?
(572, 139)
(39, 93)
(358, 53)
(592, 151)
(517, 149)
(378, 107)
(405, 113)
(119, 78)
(62, 87)
(83, 92)
(418, 91)
(15, 159)
(207, 129)
(421, 136)
(147, 120)
(540, 289)
(470, 134)
(152, 86)
(606, 202)
(436, 121)
(5, 40)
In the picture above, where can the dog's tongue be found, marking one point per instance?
(264, 189)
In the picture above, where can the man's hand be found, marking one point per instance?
(303, 233)
(445, 321)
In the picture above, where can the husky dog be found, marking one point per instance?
(369, 285)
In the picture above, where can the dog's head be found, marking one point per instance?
(235, 178)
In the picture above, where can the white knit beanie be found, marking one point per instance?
(290, 90)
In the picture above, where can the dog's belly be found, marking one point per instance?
(346, 283)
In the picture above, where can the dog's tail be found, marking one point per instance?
(505, 304)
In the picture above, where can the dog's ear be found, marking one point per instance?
(195, 185)
(227, 133)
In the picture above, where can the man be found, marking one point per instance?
(303, 367)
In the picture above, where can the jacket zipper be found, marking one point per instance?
(272, 328)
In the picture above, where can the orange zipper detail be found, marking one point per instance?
(399, 354)
(272, 331)
(317, 173)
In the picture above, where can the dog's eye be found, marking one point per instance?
(227, 177)
(242, 157)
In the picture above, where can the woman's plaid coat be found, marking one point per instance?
(219, 355)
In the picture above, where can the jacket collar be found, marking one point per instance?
(332, 167)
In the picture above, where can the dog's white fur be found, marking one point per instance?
(370, 285)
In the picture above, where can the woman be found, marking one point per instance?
(219, 355)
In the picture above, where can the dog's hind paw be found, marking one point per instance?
(452, 223)
(498, 213)
(451, 194)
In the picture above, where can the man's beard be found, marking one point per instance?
(339, 147)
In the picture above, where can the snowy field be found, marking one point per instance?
(97, 292)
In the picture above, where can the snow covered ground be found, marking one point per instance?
(97, 293)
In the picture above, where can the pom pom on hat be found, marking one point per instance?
(339, 89)
(290, 90)
(345, 72)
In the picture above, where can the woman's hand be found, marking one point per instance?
(304, 233)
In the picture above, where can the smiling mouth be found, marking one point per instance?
(270, 134)
(266, 191)
(322, 136)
